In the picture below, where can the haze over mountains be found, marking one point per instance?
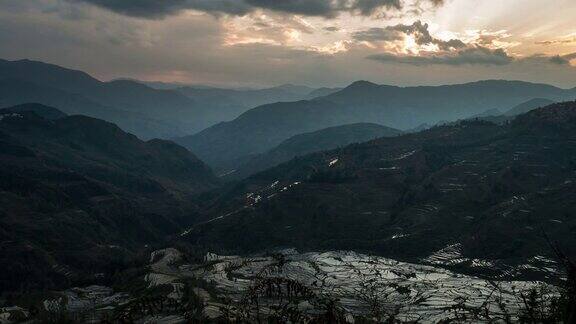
(227, 104)
(229, 144)
(137, 108)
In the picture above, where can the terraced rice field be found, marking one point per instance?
(357, 282)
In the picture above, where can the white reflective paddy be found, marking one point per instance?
(356, 281)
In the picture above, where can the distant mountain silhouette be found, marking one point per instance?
(15, 92)
(227, 104)
(228, 145)
(322, 140)
(166, 107)
(54, 76)
(528, 106)
(491, 190)
(408, 107)
(165, 112)
(78, 193)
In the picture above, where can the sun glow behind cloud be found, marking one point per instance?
(405, 38)
(319, 34)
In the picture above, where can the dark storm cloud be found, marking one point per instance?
(451, 52)
(419, 30)
(557, 59)
(562, 59)
(321, 8)
(470, 56)
(301, 7)
(162, 8)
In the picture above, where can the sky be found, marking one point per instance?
(330, 43)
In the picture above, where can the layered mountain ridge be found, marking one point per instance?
(491, 190)
(136, 107)
(322, 140)
(227, 145)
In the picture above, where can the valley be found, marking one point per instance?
(311, 210)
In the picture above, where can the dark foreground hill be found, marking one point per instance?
(322, 140)
(228, 145)
(470, 191)
(78, 195)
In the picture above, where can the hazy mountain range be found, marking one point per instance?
(227, 104)
(227, 145)
(136, 107)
